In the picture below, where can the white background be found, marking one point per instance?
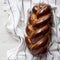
(6, 40)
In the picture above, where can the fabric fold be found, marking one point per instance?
(16, 27)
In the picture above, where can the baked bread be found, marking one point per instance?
(38, 29)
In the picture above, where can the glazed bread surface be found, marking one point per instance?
(38, 29)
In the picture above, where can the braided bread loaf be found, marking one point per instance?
(39, 29)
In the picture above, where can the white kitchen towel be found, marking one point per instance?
(16, 27)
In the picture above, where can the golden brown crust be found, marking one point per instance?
(42, 21)
(39, 29)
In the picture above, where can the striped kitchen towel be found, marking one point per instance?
(19, 10)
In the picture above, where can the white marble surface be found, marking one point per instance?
(6, 41)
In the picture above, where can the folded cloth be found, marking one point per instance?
(16, 27)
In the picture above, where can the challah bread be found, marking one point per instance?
(39, 29)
